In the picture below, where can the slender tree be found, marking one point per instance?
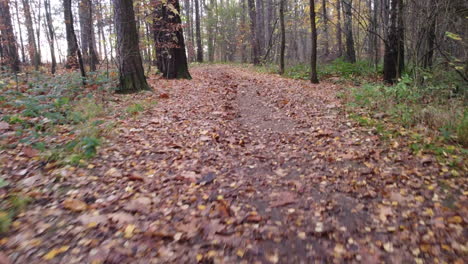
(313, 54)
(74, 58)
(325, 29)
(394, 45)
(198, 32)
(87, 34)
(339, 41)
(23, 55)
(283, 35)
(32, 47)
(8, 41)
(72, 47)
(51, 34)
(350, 54)
(253, 32)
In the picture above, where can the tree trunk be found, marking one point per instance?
(243, 28)
(198, 32)
(23, 55)
(253, 37)
(32, 48)
(313, 56)
(38, 32)
(87, 34)
(51, 35)
(350, 55)
(325, 29)
(339, 39)
(283, 36)
(394, 44)
(131, 74)
(259, 27)
(8, 43)
(169, 41)
(72, 47)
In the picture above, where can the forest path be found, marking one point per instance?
(238, 166)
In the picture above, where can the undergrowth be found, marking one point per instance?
(55, 115)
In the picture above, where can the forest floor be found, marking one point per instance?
(239, 167)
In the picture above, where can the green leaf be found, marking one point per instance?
(453, 36)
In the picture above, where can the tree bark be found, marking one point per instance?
(313, 56)
(23, 55)
(169, 40)
(131, 73)
(8, 41)
(350, 55)
(72, 47)
(339, 39)
(87, 34)
(253, 37)
(259, 27)
(51, 35)
(32, 47)
(198, 32)
(326, 46)
(394, 44)
(283, 36)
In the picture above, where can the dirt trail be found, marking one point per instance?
(241, 167)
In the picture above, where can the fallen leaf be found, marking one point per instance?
(283, 198)
(54, 252)
(74, 205)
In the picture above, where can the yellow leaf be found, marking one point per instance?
(199, 257)
(128, 233)
(54, 252)
(455, 220)
(201, 207)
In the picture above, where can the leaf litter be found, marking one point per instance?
(236, 166)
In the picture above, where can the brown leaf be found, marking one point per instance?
(122, 218)
(4, 126)
(163, 96)
(30, 152)
(4, 259)
(141, 204)
(74, 205)
(283, 198)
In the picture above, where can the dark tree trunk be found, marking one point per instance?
(72, 47)
(131, 74)
(394, 44)
(253, 37)
(51, 35)
(8, 41)
(169, 41)
(23, 55)
(339, 39)
(313, 56)
(326, 46)
(283, 35)
(374, 37)
(350, 55)
(198, 32)
(32, 47)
